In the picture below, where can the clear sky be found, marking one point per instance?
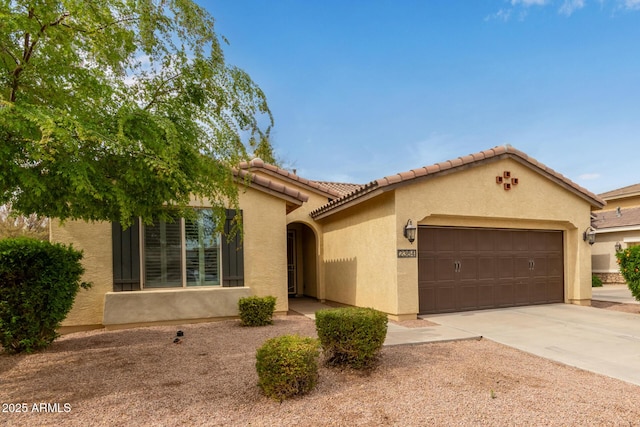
(363, 89)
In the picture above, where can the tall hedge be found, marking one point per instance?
(629, 262)
(39, 281)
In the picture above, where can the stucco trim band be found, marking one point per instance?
(171, 305)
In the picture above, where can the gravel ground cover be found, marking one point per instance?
(140, 377)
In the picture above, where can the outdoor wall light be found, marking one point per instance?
(618, 247)
(589, 235)
(410, 231)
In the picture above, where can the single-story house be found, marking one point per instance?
(617, 227)
(492, 229)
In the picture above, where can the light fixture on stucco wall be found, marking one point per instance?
(410, 231)
(589, 235)
(618, 247)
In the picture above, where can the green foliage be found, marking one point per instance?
(115, 109)
(38, 284)
(287, 366)
(256, 311)
(351, 336)
(629, 262)
(596, 282)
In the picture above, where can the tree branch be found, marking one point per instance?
(159, 91)
(28, 49)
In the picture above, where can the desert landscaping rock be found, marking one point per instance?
(139, 377)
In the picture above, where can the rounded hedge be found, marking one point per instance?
(351, 336)
(287, 366)
(39, 281)
(256, 311)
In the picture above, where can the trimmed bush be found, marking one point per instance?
(629, 262)
(596, 282)
(38, 284)
(351, 336)
(256, 311)
(287, 366)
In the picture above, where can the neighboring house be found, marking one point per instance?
(492, 229)
(617, 226)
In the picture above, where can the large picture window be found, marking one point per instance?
(183, 253)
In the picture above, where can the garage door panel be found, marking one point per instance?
(486, 268)
(467, 240)
(520, 241)
(445, 268)
(506, 267)
(445, 239)
(486, 294)
(467, 297)
(469, 269)
(427, 299)
(445, 298)
(426, 269)
(522, 267)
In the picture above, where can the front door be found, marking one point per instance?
(291, 263)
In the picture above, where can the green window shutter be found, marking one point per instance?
(232, 254)
(126, 257)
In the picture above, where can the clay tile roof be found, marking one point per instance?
(268, 185)
(289, 176)
(631, 190)
(389, 182)
(341, 187)
(627, 217)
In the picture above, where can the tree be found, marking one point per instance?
(13, 225)
(629, 262)
(116, 109)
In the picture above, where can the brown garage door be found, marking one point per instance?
(476, 268)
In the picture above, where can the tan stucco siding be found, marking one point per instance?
(94, 239)
(264, 246)
(359, 255)
(623, 203)
(604, 249)
(472, 198)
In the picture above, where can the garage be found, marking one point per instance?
(461, 269)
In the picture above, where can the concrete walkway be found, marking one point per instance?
(614, 293)
(597, 340)
(396, 334)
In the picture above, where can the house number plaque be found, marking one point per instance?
(407, 253)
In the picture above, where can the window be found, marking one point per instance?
(185, 253)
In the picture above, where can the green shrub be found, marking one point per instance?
(38, 284)
(596, 282)
(629, 262)
(351, 336)
(256, 311)
(287, 366)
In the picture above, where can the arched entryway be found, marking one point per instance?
(302, 260)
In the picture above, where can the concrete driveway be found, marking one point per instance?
(614, 293)
(602, 341)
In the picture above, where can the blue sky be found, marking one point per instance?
(363, 89)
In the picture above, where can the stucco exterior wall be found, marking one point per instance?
(264, 246)
(471, 198)
(94, 239)
(603, 251)
(359, 255)
(623, 203)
